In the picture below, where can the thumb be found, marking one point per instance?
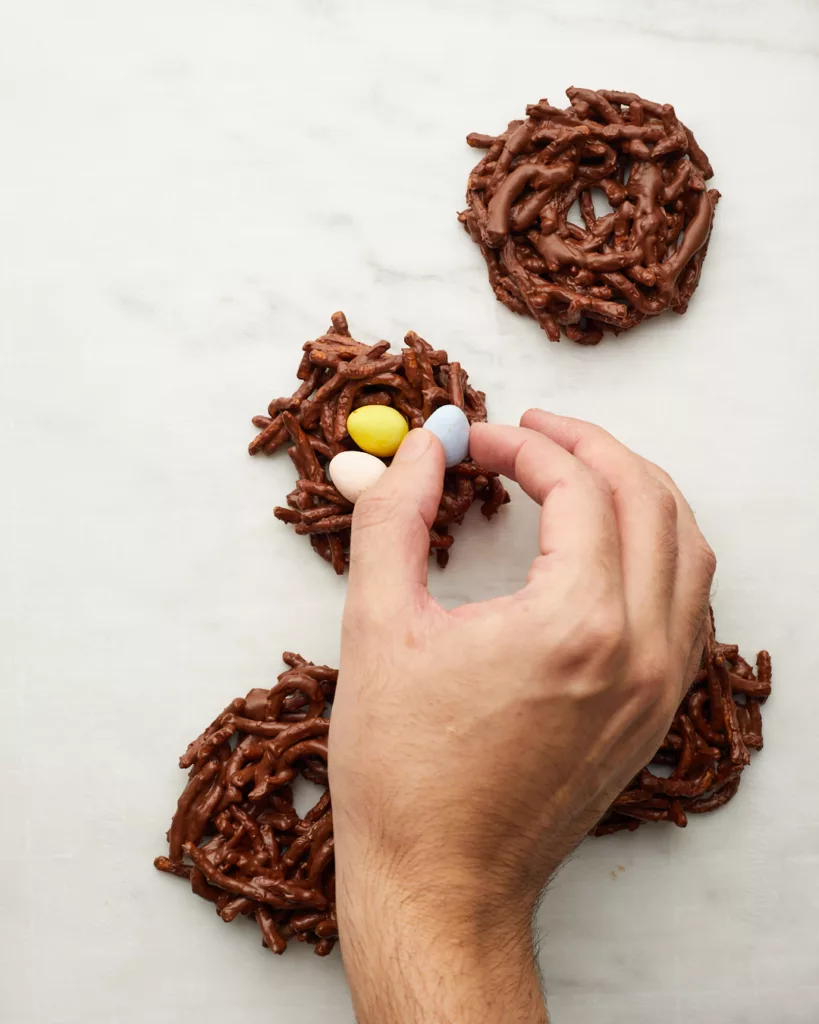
(389, 551)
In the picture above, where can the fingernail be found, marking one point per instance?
(414, 445)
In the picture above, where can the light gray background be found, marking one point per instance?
(189, 189)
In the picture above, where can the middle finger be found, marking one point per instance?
(646, 512)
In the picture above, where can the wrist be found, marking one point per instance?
(435, 949)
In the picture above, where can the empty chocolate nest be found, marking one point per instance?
(238, 839)
(236, 835)
(716, 726)
(639, 259)
(339, 374)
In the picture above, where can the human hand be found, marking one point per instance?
(472, 749)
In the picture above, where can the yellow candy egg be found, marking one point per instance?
(377, 429)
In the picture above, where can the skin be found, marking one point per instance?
(500, 731)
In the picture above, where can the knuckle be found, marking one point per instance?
(591, 440)
(374, 510)
(666, 503)
(706, 558)
(650, 674)
(592, 432)
(601, 484)
(368, 623)
(604, 630)
(594, 651)
(660, 474)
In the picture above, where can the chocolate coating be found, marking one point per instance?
(636, 261)
(340, 374)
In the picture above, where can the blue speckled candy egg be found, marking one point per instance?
(450, 425)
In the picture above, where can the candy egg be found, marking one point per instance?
(377, 429)
(451, 427)
(353, 472)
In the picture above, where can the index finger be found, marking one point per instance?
(577, 521)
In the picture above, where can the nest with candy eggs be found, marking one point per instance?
(362, 399)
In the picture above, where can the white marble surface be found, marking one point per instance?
(189, 189)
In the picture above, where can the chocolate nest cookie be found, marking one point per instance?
(338, 375)
(236, 835)
(238, 840)
(707, 746)
(642, 257)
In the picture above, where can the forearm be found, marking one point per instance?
(416, 957)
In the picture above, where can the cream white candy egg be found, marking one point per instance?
(353, 472)
(451, 427)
